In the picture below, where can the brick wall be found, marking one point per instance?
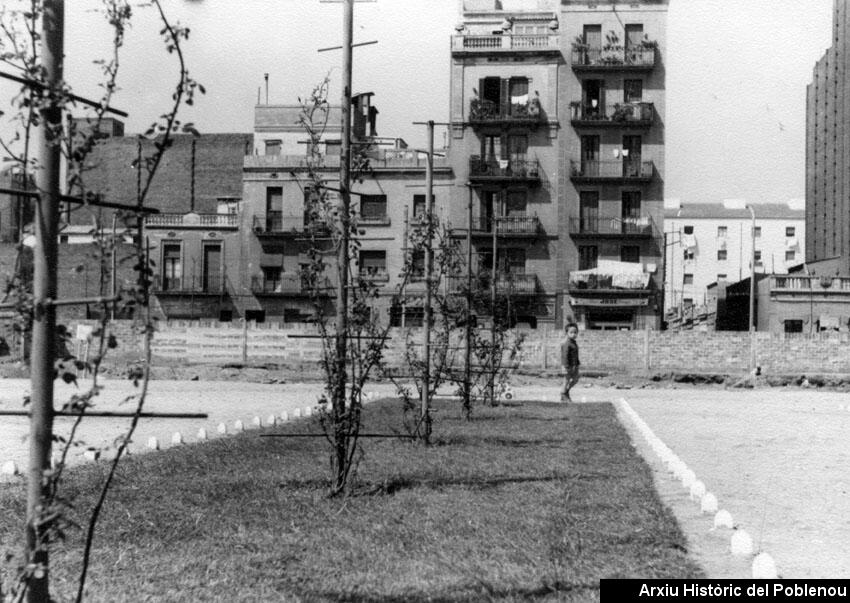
(618, 351)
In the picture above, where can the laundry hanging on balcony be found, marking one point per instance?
(611, 274)
(689, 241)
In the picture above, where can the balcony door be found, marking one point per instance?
(588, 255)
(491, 94)
(630, 211)
(274, 209)
(634, 37)
(593, 101)
(488, 209)
(588, 211)
(592, 36)
(590, 155)
(517, 153)
(631, 156)
(212, 268)
(510, 260)
(172, 267)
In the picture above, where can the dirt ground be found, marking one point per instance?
(776, 458)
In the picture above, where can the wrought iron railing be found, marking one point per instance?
(485, 111)
(212, 284)
(613, 58)
(276, 222)
(508, 225)
(624, 169)
(503, 168)
(615, 113)
(507, 283)
(633, 226)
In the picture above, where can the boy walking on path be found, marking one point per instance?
(569, 360)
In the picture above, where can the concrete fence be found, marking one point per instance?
(624, 351)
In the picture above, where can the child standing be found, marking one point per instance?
(569, 360)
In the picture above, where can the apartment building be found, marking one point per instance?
(557, 125)
(827, 152)
(708, 243)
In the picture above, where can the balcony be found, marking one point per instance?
(276, 224)
(507, 226)
(623, 171)
(374, 274)
(514, 284)
(374, 220)
(286, 284)
(483, 113)
(478, 45)
(640, 227)
(617, 115)
(603, 281)
(280, 162)
(389, 159)
(193, 220)
(807, 285)
(495, 171)
(211, 284)
(613, 59)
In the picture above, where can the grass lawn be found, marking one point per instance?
(527, 501)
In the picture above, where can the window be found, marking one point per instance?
(630, 253)
(274, 199)
(373, 263)
(721, 232)
(587, 256)
(688, 279)
(172, 267)
(419, 207)
(373, 208)
(211, 275)
(689, 253)
(757, 255)
(272, 147)
(757, 232)
(793, 325)
(588, 211)
(688, 302)
(790, 231)
(632, 91)
(272, 279)
(634, 35)
(511, 260)
(688, 229)
(721, 277)
(518, 93)
(721, 255)
(417, 264)
(790, 255)
(592, 35)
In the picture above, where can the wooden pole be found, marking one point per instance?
(425, 413)
(338, 401)
(44, 287)
(491, 386)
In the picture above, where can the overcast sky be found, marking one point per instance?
(736, 75)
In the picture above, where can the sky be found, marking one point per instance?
(736, 75)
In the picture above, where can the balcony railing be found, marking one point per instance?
(624, 170)
(506, 284)
(192, 220)
(211, 284)
(275, 223)
(637, 58)
(485, 112)
(504, 169)
(615, 115)
(581, 281)
(382, 159)
(284, 284)
(374, 220)
(404, 159)
(463, 44)
(808, 283)
(373, 273)
(508, 225)
(642, 226)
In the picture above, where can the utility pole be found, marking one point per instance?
(752, 326)
(44, 292)
(343, 258)
(467, 385)
(491, 386)
(425, 412)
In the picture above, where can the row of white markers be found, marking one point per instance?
(10, 468)
(741, 543)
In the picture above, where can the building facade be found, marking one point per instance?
(827, 152)
(708, 243)
(557, 113)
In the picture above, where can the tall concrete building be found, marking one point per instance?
(827, 153)
(557, 112)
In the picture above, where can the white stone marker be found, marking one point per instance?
(296, 413)
(284, 416)
(202, 434)
(697, 490)
(271, 421)
(9, 468)
(176, 438)
(91, 454)
(742, 544)
(222, 429)
(708, 504)
(257, 422)
(308, 410)
(723, 519)
(238, 426)
(153, 443)
(764, 568)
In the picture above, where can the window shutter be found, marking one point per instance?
(504, 97)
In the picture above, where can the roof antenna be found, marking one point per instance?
(266, 76)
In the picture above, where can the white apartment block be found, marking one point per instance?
(710, 242)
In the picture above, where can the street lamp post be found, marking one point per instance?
(752, 326)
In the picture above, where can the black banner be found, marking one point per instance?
(814, 591)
